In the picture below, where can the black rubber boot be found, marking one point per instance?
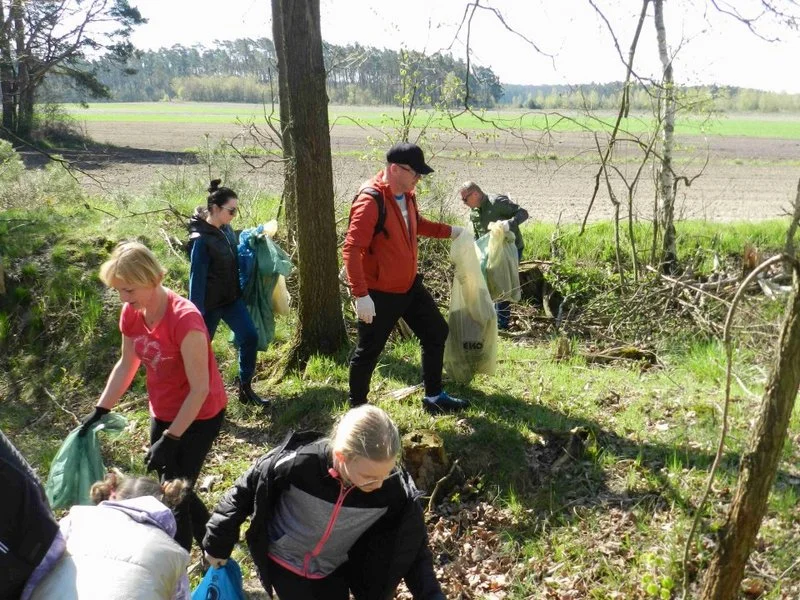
(248, 396)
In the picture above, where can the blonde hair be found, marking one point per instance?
(132, 263)
(120, 487)
(367, 432)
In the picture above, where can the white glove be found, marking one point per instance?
(365, 308)
(506, 225)
(455, 231)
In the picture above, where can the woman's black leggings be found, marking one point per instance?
(191, 515)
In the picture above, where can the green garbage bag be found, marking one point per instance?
(266, 283)
(78, 464)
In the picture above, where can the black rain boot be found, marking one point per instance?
(248, 396)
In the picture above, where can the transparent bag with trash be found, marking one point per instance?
(471, 346)
(500, 263)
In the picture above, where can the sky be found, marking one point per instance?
(541, 42)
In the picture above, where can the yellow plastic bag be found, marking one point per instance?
(471, 346)
(502, 265)
(281, 300)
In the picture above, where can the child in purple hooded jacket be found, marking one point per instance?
(124, 547)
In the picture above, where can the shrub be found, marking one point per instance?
(11, 166)
(41, 187)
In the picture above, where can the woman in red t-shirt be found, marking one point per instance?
(166, 333)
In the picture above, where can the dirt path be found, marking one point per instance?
(745, 178)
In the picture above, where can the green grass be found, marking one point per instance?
(612, 522)
(210, 113)
(697, 242)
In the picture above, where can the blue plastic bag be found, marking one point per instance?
(223, 583)
(261, 264)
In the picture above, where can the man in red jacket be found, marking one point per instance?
(380, 257)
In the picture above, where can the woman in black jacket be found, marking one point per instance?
(214, 280)
(330, 517)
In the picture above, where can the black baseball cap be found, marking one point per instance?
(406, 153)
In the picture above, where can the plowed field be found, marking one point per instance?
(740, 177)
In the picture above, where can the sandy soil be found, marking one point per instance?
(744, 178)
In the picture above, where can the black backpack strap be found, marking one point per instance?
(378, 197)
(292, 441)
(267, 490)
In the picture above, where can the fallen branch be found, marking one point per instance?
(169, 244)
(437, 489)
(691, 286)
(632, 353)
(404, 392)
(98, 209)
(69, 412)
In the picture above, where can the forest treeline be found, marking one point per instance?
(243, 70)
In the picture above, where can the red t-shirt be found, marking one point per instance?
(159, 350)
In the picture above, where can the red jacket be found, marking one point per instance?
(378, 262)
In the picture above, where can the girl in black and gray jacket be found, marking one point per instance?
(330, 516)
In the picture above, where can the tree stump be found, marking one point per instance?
(424, 457)
(531, 283)
(404, 330)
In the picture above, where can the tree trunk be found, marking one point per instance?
(759, 463)
(7, 78)
(303, 94)
(24, 90)
(289, 200)
(666, 175)
(789, 247)
(25, 107)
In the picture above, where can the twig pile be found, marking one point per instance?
(660, 306)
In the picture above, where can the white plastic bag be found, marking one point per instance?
(271, 228)
(471, 346)
(502, 264)
(281, 300)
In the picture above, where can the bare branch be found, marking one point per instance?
(623, 108)
(769, 8)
